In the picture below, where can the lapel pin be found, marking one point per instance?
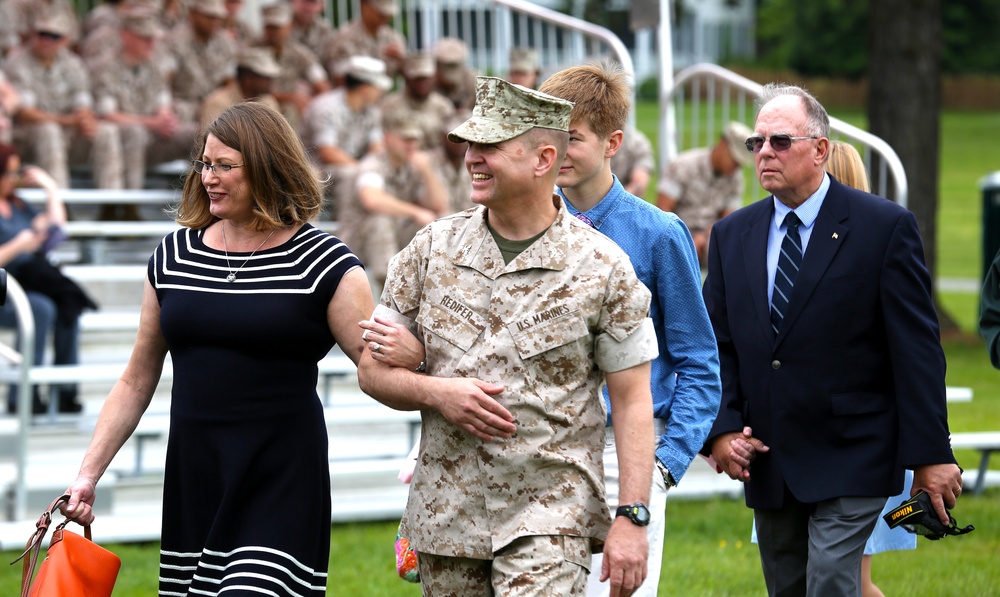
(835, 236)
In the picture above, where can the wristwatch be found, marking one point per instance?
(638, 513)
(422, 367)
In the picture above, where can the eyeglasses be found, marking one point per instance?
(779, 142)
(216, 169)
(49, 35)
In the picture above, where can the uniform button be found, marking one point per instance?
(775, 364)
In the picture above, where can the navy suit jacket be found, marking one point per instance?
(852, 389)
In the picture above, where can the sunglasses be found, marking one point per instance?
(779, 142)
(49, 35)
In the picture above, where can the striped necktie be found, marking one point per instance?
(789, 261)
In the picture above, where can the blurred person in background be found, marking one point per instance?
(255, 74)
(56, 126)
(309, 27)
(370, 34)
(634, 162)
(301, 77)
(342, 126)
(204, 57)
(418, 101)
(705, 184)
(395, 193)
(525, 67)
(132, 93)
(56, 303)
(454, 79)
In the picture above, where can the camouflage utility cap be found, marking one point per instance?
(505, 110)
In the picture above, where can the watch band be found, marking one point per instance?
(668, 479)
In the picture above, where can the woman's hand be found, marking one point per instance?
(33, 176)
(80, 506)
(391, 343)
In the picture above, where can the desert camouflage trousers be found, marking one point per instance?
(534, 566)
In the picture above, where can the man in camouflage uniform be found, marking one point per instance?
(10, 102)
(524, 312)
(18, 17)
(342, 126)
(634, 163)
(235, 28)
(56, 126)
(132, 92)
(449, 163)
(370, 34)
(255, 74)
(204, 57)
(704, 185)
(418, 101)
(394, 193)
(302, 77)
(525, 67)
(455, 80)
(309, 28)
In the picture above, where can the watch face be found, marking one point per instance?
(640, 514)
(637, 513)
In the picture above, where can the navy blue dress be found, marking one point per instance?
(246, 495)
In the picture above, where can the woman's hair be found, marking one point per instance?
(283, 185)
(845, 164)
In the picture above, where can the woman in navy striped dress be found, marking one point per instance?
(246, 298)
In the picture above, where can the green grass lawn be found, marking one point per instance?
(708, 552)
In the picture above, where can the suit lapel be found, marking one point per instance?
(828, 235)
(754, 242)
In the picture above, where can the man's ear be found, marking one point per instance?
(614, 143)
(822, 150)
(548, 158)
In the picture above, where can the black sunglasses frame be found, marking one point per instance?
(778, 141)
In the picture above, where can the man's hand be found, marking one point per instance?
(943, 483)
(734, 452)
(626, 552)
(469, 404)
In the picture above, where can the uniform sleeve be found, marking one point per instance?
(626, 337)
(404, 280)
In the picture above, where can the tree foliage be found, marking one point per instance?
(830, 37)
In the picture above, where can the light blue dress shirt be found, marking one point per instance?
(807, 213)
(685, 377)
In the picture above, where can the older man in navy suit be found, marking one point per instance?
(832, 368)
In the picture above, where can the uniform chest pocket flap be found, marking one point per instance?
(461, 332)
(533, 339)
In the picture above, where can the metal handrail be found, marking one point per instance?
(26, 332)
(562, 20)
(889, 163)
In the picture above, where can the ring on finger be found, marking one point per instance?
(377, 348)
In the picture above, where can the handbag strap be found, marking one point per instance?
(35, 542)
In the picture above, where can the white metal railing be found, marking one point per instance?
(690, 105)
(26, 332)
(491, 27)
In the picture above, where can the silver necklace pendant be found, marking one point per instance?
(232, 274)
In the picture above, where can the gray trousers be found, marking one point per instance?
(814, 550)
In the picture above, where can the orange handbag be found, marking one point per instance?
(74, 566)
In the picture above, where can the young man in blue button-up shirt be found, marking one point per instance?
(685, 377)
